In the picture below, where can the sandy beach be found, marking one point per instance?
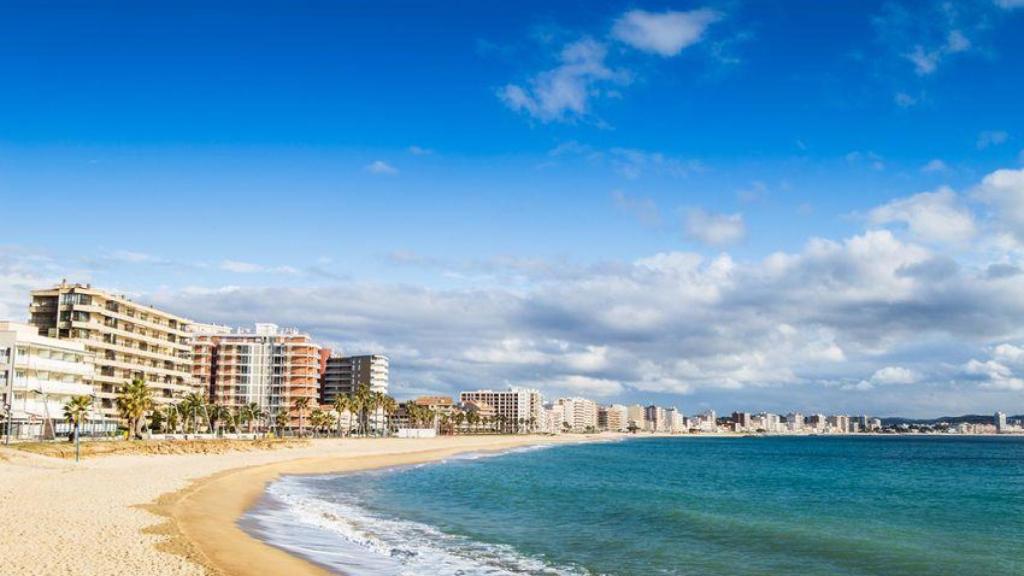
(176, 514)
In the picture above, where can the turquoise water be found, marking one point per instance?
(674, 506)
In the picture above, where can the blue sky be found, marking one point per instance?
(520, 162)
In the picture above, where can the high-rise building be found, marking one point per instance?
(522, 408)
(345, 374)
(579, 414)
(840, 424)
(743, 420)
(655, 418)
(38, 375)
(674, 420)
(614, 418)
(128, 340)
(795, 421)
(1000, 422)
(268, 366)
(637, 417)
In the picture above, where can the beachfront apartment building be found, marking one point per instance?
(522, 408)
(578, 414)
(614, 418)
(344, 375)
(38, 375)
(127, 340)
(655, 419)
(268, 366)
(674, 420)
(637, 417)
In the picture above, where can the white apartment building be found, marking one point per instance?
(578, 414)
(552, 419)
(38, 375)
(674, 420)
(522, 408)
(128, 340)
(794, 421)
(636, 417)
(840, 424)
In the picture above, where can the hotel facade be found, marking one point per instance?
(38, 375)
(268, 366)
(126, 340)
(523, 408)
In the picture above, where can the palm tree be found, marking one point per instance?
(341, 404)
(172, 418)
(248, 414)
(459, 419)
(316, 419)
(190, 406)
(281, 420)
(76, 412)
(364, 398)
(301, 404)
(218, 414)
(133, 401)
(390, 406)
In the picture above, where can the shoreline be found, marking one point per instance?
(201, 521)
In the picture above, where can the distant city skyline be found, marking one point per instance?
(714, 205)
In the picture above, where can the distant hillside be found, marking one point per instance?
(968, 418)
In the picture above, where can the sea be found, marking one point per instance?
(815, 505)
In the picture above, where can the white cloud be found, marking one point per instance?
(584, 386)
(564, 92)
(381, 167)
(989, 138)
(893, 375)
(934, 165)
(1003, 190)
(663, 33)
(420, 151)
(1010, 4)
(714, 229)
(240, 267)
(930, 216)
(927, 61)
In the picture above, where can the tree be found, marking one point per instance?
(300, 405)
(390, 406)
(248, 415)
(133, 401)
(76, 412)
(460, 417)
(190, 406)
(341, 404)
(281, 421)
(157, 419)
(316, 419)
(172, 418)
(218, 415)
(364, 400)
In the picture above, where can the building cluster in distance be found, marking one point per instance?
(83, 341)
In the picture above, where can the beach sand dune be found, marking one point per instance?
(176, 513)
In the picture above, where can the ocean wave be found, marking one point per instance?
(335, 531)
